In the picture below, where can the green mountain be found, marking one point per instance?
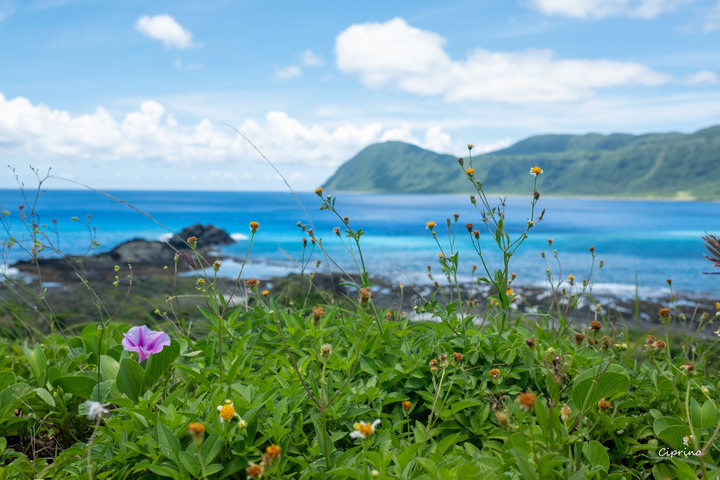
(666, 165)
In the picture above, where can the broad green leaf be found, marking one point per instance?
(463, 404)
(592, 385)
(408, 454)
(344, 472)
(108, 367)
(38, 362)
(129, 378)
(671, 431)
(158, 363)
(78, 385)
(708, 415)
(427, 464)
(596, 454)
(169, 444)
(45, 396)
(6, 379)
(165, 469)
(190, 463)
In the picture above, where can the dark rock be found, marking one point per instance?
(145, 256)
(207, 236)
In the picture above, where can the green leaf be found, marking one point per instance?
(164, 469)
(404, 457)
(45, 396)
(108, 367)
(38, 362)
(190, 463)
(344, 472)
(463, 404)
(169, 444)
(708, 415)
(592, 385)
(6, 379)
(596, 454)
(211, 447)
(129, 378)
(427, 464)
(158, 363)
(78, 385)
(671, 431)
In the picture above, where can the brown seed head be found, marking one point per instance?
(595, 326)
(664, 312)
(325, 350)
(502, 418)
(461, 161)
(660, 344)
(530, 342)
(254, 471)
(579, 337)
(252, 283)
(192, 241)
(604, 405)
(318, 312)
(457, 357)
(469, 227)
(526, 400)
(495, 373)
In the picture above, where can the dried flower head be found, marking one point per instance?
(461, 161)
(197, 430)
(502, 418)
(318, 312)
(457, 357)
(254, 471)
(364, 295)
(595, 326)
(96, 410)
(664, 312)
(273, 451)
(406, 405)
(252, 282)
(660, 345)
(469, 227)
(579, 337)
(526, 400)
(192, 241)
(530, 342)
(688, 367)
(325, 350)
(604, 405)
(565, 412)
(216, 265)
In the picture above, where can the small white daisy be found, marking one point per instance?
(364, 430)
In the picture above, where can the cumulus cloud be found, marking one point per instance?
(415, 61)
(165, 29)
(152, 136)
(646, 9)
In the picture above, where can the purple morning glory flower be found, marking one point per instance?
(144, 341)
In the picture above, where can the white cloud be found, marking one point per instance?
(310, 59)
(288, 72)
(646, 9)
(415, 61)
(151, 139)
(705, 77)
(165, 29)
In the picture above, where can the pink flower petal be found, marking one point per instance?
(144, 341)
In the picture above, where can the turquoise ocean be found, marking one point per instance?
(640, 242)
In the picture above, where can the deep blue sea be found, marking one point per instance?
(640, 241)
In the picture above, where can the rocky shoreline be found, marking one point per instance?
(149, 257)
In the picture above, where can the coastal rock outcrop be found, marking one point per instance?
(143, 255)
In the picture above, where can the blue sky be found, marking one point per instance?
(138, 95)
